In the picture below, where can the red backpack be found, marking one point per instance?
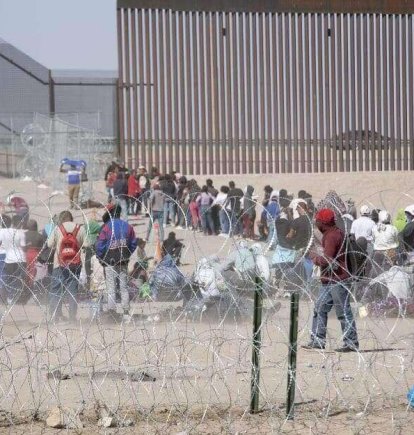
(69, 252)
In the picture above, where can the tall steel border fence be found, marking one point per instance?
(257, 88)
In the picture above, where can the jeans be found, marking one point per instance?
(169, 212)
(206, 219)
(159, 217)
(64, 281)
(336, 295)
(122, 202)
(112, 273)
(224, 221)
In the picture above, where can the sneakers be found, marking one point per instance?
(347, 348)
(312, 345)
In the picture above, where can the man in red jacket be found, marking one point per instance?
(334, 289)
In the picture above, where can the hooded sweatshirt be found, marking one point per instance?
(333, 260)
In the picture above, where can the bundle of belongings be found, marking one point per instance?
(222, 286)
(389, 294)
(167, 282)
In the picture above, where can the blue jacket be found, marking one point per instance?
(116, 242)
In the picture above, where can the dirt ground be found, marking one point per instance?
(202, 369)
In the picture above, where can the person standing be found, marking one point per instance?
(204, 201)
(13, 242)
(35, 242)
(67, 240)
(249, 213)
(74, 182)
(334, 290)
(169, 189)
(221, 202)
(363, 226)
(5, 222)
(144, 185)
(234, 203)
(156, 208)
(133, 193)
(121, 193)
(115, 244)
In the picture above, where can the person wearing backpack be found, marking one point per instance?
(334, 289)
(114, 247)
(67, 240)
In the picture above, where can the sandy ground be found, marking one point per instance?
(202, 368)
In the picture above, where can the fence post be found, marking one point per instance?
(293, 346)
(257, 342)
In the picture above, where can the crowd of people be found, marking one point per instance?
(304, 241)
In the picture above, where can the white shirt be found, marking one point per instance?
(220, 199)
(362, 227)
(13, 241)
(385, 238)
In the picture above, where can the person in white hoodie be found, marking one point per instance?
(363, 227)
(385, 243)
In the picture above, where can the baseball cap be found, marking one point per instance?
(364, 210)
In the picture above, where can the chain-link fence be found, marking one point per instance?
(33, 145)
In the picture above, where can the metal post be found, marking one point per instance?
(257, 342)
(293, 345)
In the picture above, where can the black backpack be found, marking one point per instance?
(356, 258)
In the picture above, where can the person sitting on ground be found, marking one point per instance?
(173, 247)
(140, 270)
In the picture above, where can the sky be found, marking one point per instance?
(62, 34)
